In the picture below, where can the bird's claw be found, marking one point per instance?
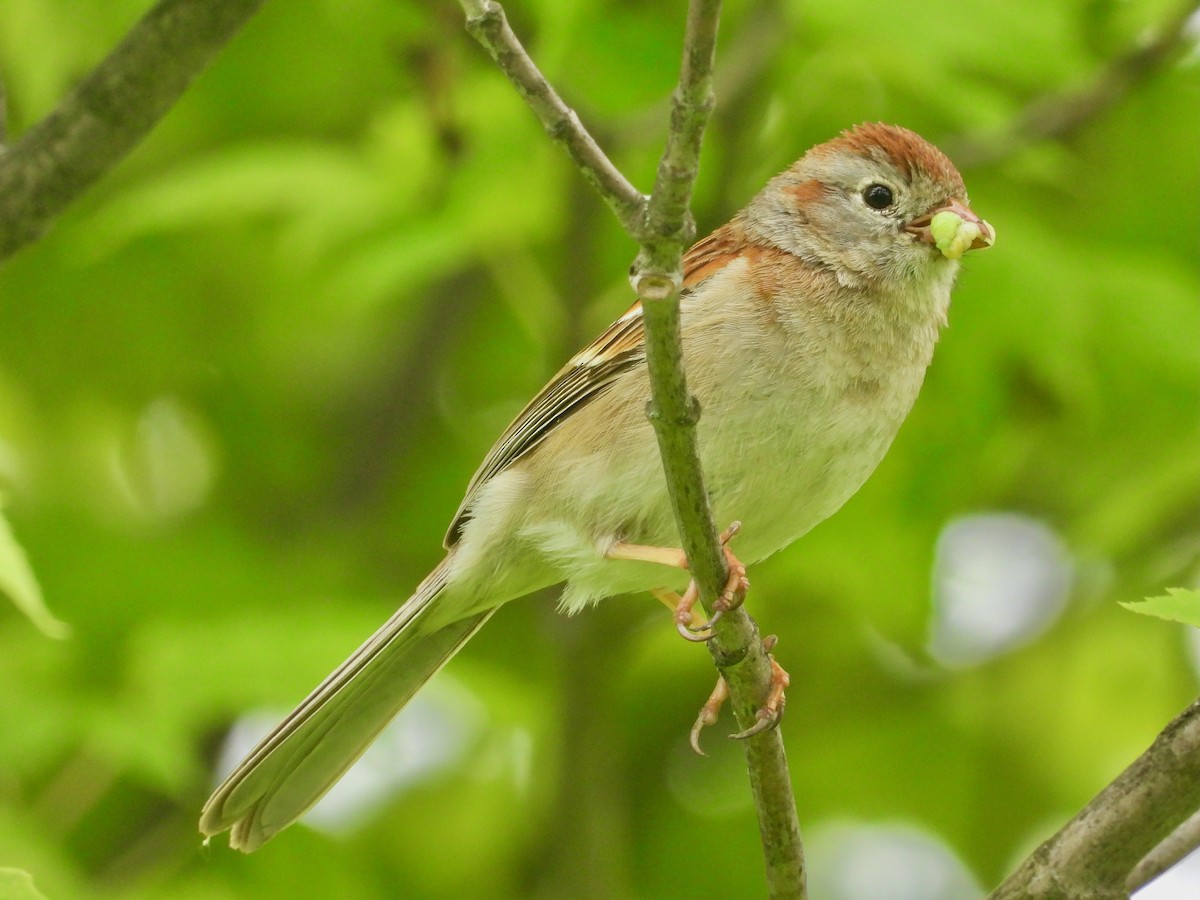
(727, 535)
(731, 597)
(708, 713)
(697, 635)
(703, 720)
(766, 721)
(768, 716)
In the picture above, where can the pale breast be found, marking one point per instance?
(807, 399)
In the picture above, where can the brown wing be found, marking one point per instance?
(590, 373)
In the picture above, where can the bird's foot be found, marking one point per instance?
(681, 606)
(769, 714)
(731, 597)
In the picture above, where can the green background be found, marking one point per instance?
(244, 381)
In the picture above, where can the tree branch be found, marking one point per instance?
(664, 228)
(1095, 853)
(1181, 842)
(110, 111)
(1060, 114)
(487, 24)
(737, 647)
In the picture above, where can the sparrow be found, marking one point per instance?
(808, 322)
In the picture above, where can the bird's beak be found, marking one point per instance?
(953, 228)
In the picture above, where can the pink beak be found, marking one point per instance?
(919, 227)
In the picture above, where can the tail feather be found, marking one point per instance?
(301, 759)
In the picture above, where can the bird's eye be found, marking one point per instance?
(878, 196)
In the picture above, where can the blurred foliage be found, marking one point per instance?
(245, 380)
(18, 885)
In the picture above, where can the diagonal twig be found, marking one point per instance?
(487, 24)
(110, 111)
(1094, 854)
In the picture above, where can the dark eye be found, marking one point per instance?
(878, 196)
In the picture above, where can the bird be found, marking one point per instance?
(808, 322)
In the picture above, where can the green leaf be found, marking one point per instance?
(18, 582)
(1178, 605)
(16, 884)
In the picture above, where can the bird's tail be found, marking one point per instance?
(302, 758)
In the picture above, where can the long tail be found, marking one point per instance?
(302, 758)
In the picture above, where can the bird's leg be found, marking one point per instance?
(731, 597)
(664, 556)
(682, 607)
(769, 714)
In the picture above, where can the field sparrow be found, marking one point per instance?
(808, 322)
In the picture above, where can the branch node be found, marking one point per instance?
(489, 17)
(682, 105)
(652, 287)
(687, 419)
(728, 657)
(560, 129)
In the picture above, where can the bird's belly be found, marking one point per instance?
(783, 478)
(779, 467)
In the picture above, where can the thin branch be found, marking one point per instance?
(487, 24)
(669, 216)
(657, 276)
(1095, 853)
(1060, 114)
(110, 111)
(1180, 843)
(664, 228)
